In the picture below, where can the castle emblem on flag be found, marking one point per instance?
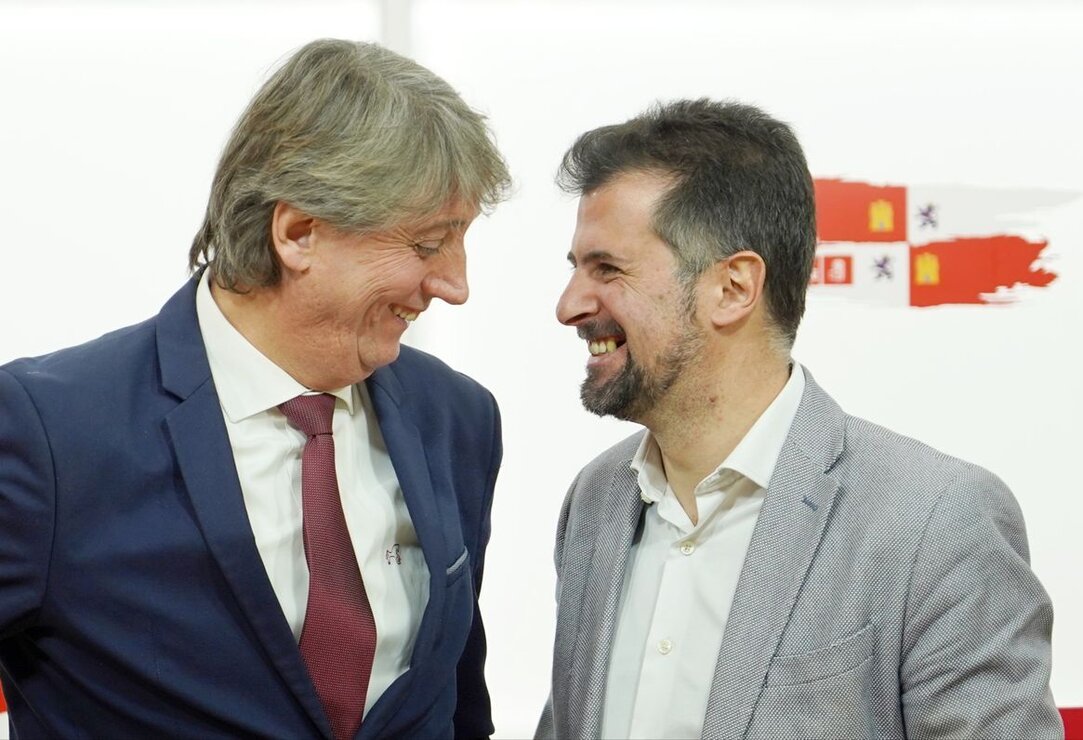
(927, 269)
(838, 270)
(881, 216)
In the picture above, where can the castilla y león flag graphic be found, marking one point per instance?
(929, 246)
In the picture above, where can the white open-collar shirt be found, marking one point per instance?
(680, 580)
(267, 453)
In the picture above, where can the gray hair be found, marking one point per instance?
(739, 181)
(350, 133)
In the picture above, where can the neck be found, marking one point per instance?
(706, 415)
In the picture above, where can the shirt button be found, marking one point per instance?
(665, 647)
(688, 547)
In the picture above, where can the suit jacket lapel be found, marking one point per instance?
(407, 453)
(600, 605)
(787, 535)
(205, 461)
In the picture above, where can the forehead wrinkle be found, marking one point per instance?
(456, 224)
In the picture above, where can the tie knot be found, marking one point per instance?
(310, 413)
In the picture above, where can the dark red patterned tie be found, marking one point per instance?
(338, 639)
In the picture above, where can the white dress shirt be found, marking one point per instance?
(267, 453)
(680, 581)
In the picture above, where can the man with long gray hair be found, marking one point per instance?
(756, 563)
(257, 514)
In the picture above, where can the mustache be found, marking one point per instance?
(591, 330)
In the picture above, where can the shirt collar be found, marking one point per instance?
(754, 457)
(647, 465)
(246, 380)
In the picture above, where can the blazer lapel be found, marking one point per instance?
(786, 538)
(205, 461)
(407, 453)
(589, 659)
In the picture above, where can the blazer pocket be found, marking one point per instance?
(456, 569)
(833, 660)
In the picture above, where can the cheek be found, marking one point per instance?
(393, 284)
(647, 326)
(366, 302)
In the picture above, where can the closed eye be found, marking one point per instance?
(599, 262)
(428, 248)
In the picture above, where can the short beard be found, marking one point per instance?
(633, 393)
(622, 396)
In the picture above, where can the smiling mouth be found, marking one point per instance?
(604, 345)
(404, 313)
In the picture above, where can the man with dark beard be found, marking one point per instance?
(757, 563)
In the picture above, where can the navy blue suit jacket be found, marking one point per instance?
(133, 601)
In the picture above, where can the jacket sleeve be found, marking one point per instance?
(27, 504)
(976, 644)
(473, 712)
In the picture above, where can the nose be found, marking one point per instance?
(577, 303)
(448, 280)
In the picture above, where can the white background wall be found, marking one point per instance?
(112, 116)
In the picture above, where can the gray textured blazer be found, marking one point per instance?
(886, 593)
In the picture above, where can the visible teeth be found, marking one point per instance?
(404, 314)
(602, 347)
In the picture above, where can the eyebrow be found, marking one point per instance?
(595, 255)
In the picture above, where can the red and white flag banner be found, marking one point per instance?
(930, 246)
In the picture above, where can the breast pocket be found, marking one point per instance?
(843, 656)
(456, 569)
(458, 612)
(825, 693)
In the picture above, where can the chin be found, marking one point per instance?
(381, 360)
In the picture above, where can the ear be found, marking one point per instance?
(291, 233)
(734, 288)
